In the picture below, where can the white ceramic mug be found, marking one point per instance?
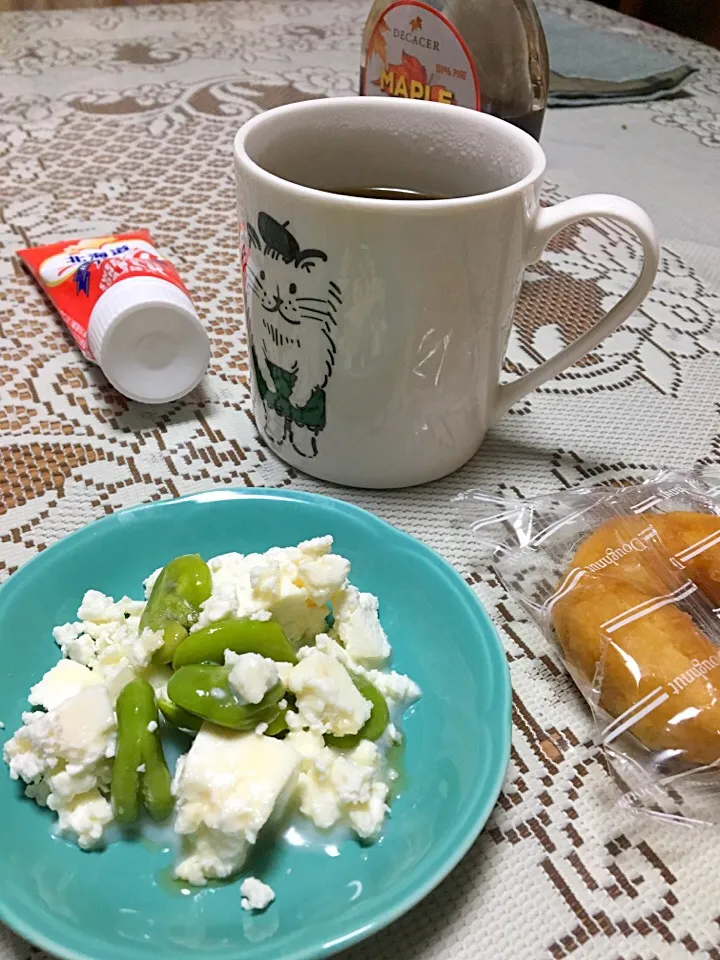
(377, 328)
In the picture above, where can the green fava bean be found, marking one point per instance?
(139, 769)
(204, 690)
(156, 782)
(241, 636)
(179, 717)
(174, 602)
(376, 723)
(279, 724)
(173, 635)
(125, 783)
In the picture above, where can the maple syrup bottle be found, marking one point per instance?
(487, 55)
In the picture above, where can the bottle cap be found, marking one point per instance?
(147, 339)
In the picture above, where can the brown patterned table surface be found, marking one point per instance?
(123, 117)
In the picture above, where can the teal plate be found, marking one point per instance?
(117, 904)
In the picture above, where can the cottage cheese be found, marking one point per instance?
(255, 894)
(327, 699)
(293, 585)
(64, 757)
(398, 688)
(227, 787)
(84, 818)
(66, 679)
(251, 676)
(337, 785)
(358, 626)
(107, 639)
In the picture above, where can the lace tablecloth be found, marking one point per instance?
(123, 117)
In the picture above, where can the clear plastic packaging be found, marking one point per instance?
(626, 583)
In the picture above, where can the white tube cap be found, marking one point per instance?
(145, 335)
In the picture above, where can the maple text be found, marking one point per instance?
(398, 85)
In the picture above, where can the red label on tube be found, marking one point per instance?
(75, 273)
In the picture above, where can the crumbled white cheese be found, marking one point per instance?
(152, 726)
(290, 584)
(337, 785)
(84, 818)
(255, 894)
(293, 720)
(367, 818)
(327, 699)
(231, 594)
(131, 608)
(99, 608)
(74, 642)
(393, 733)
(296, 583)
(77, 731)
(328, 645)
(149, 582)
(284, 670)
(396, 687)
(65, 754)
(358, 626)
(60, 683)
(308, 745)
(227, 787)
(107, 639)
(251, 675)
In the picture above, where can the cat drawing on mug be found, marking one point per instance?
(291, 306)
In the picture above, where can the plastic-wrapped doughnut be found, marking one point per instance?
(617, 618)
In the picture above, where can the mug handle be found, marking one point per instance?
(548, 222)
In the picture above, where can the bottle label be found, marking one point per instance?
(416, 53)
(75, 273)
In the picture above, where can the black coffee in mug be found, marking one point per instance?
(388, 193)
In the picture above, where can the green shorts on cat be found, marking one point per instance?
(311, 415)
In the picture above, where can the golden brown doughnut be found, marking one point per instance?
(627, 562)
(682, 534)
